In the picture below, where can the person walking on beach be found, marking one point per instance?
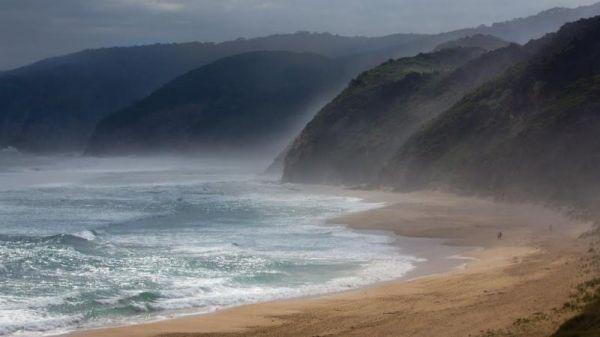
(499, 235)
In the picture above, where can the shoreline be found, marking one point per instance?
(440, 219)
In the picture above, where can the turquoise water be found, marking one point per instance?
(95, 242)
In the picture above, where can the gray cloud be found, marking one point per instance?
(34, 29)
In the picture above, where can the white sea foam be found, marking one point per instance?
(88, 235)
(102, 246)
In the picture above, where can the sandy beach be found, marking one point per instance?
(513, 286)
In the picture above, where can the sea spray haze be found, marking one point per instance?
(531, 134)
(94, 242)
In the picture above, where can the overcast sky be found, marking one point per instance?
(34, 29)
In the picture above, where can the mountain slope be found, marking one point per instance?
(532, 134)
(351, 138)
(247, 101)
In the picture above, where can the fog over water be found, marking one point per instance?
(89, 242)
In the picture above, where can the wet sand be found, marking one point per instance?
(512, 284)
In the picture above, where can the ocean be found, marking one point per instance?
(92, 242)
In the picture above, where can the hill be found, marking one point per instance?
(54, 105)
(246, 102)
(354, 135)
(531, 134)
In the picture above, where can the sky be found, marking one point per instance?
(31, 30)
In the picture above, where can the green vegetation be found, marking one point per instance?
(586, 323)
(241, 102)
(580, 316)
(586, 300)
(54, 105)
(530, 134)
(351, 138)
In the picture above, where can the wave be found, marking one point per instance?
(196, 247)
(86, 236)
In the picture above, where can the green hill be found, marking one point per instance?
(53, 105)
(354, 135)
(248, 101)
(531, 134)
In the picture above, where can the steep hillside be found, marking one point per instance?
(532, 134)
(351, 138)
(248, 101)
